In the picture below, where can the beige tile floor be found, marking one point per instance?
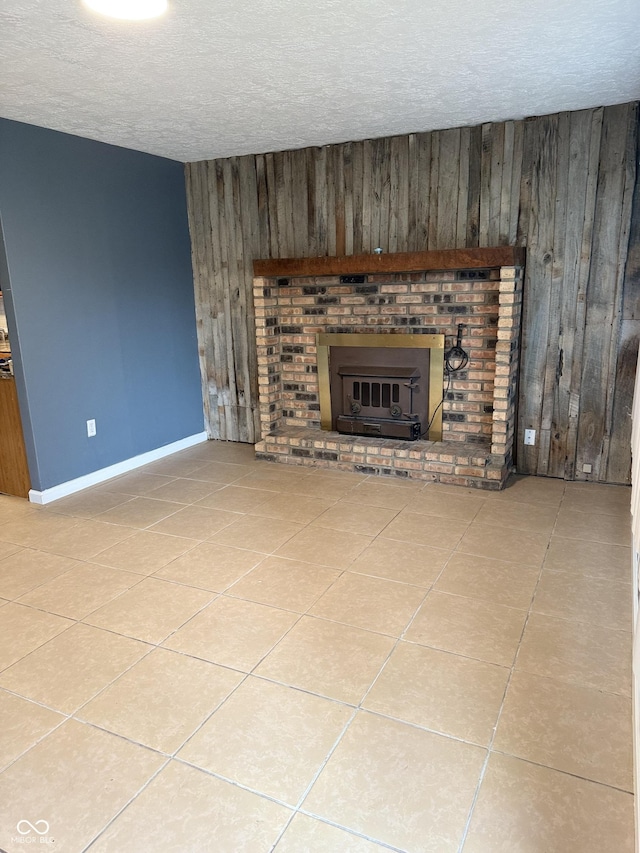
(216, 654)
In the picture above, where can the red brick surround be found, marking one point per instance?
(479, 406)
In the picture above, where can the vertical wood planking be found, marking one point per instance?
(529, 141)
(299, 203)
(434, 176)
(216, 371)
(339, 217)
(463, 189)
(218, 365)
(284, 220)
(289, 189)
(250, 242)
(228, 399)
(526, 177)
(448, 187)
(604, 296)
(516, 175)
(413, 190)
(331, 201)
(560, 185)
(399, 200)
(505, 183)
(367, 196)
(394, 204)
(349, 221)
(238, 306)
(495, 184)
(475, 181)
(264, 225)
(535, 338)
(209, 291)
(358, 204)
(620, 346)
(424, 189)
(272, 198)
(376, 185)
(549, 425)
(584, 272)
(385, 192)
(618, 461)
(310, 158)
(484, 222)
(580, 134)
(321, 211)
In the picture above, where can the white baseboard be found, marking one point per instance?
(72, 486)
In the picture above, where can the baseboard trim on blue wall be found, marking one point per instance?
(72, 486)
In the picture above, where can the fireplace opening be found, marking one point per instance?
(381, 401)
(381, 385)
(389, 399)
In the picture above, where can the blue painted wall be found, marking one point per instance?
(99, 295)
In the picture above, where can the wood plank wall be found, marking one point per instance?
(562, 185)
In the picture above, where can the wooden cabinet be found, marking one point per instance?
(14, 471)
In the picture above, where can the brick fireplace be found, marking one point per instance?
(300, 303)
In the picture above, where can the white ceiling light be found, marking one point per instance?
(128, 10)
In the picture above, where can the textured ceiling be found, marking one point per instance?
(221, 77)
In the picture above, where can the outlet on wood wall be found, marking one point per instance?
(561, 185)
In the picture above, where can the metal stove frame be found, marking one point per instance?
(434, 343)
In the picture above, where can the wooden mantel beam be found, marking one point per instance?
(444, 259)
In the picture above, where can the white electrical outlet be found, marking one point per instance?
(91, 428)
(586, 468)
(529, 436)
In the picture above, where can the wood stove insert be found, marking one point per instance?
(384, 385)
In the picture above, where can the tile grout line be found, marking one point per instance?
(314, 779)
(564, 772)
(65, 719)
(489, 746)
(357, 708)
(126, 805)
(355, 712)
